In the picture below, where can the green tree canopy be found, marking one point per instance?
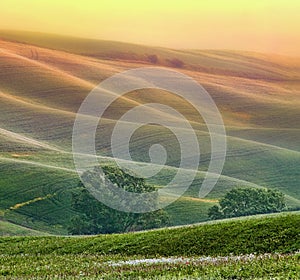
(95, 217)
(248, 201)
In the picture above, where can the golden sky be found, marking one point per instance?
(257, 25)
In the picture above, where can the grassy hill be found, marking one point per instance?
(259, 246)
(10, 229)
(44, 79)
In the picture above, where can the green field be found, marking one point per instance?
(257, 96)
(258, 247)
(44, 78)
(10, 229)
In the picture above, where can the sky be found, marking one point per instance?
(270, 26)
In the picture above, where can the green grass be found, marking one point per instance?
(33, 172)
(264, 234)
(44, 179)
(10, 229)
(84, 266)
(26, 183)
(266, 247)
(187, 211)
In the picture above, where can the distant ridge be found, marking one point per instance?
(223, 62)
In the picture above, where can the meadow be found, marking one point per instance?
(258, 247)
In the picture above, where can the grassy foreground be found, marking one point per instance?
(266, 246)
(268, 266)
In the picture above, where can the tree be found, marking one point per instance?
(95, 217)
(214, 212)
(248, 201)
(152, 58)
(175, 62)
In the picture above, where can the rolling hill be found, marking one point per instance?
(44, 79)
(263, 246)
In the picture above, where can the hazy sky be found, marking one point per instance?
(260, 25)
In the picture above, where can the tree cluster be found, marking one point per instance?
(248, 201)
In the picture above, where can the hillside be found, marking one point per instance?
(257, 94)
(10, 229)
(260, 246)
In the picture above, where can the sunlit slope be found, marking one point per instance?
(256, 162)
(217, 62)
(43, 83)
(62, 80)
